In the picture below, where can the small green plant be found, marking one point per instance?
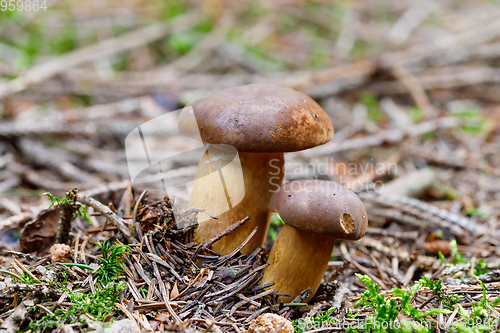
(483, 303)
(25, 278)
(173, 8)
(407, 308)
(276, 223)
(475, 122)
(458, 257)
(374, 112)
(482, 267)
(475, 212)
(316, 322)
(416, 114)
(478, 318)
(184, 41)
(453, 247)
(98, 305)
(442, 258)
(386, 310)
(360, 49)
(372, 292)
(429, 136)
(79, 209)
(70, 208)
(437, 288)
(66, 40)
(111, 263)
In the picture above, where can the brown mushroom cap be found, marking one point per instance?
(262, 118)
(322, 207)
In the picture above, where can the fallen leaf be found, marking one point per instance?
(39, 234)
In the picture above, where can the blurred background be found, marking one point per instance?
(409, 84)
(412, 88)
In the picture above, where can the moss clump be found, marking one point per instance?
(98, 306)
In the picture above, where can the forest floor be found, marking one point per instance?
(411, 87)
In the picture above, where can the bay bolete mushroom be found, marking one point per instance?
(261, 122)
(315, 212)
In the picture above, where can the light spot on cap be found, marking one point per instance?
(347, 223)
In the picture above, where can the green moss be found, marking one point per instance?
(98, 305)
(386, 310)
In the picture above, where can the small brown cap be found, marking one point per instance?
(262, 118)
(322, 207)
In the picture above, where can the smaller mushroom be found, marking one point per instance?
(269, 323)
(315, 212)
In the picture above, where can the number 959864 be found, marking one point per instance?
(20, 5)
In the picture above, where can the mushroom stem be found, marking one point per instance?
(262, 174)
(298, 260)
